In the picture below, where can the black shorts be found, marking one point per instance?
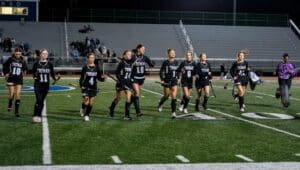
(11, 81)
(127, 85)
(89, 92)
(201, 83)
(171, 83)
(241, 81)
(187, 83)
(139, 81)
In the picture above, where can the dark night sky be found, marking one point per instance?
(290, 7)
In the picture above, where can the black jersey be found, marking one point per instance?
(169, 71)
(89, 76)
(41, 73)
(203, 70)
(124, 70)
(139, 66)
(187, 70)
(15, 68)
(239, 70)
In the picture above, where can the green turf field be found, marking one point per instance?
(154, 138)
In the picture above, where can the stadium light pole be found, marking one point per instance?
(234, 12)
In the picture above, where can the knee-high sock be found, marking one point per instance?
(186, 101)
(182, 100)
(162, 100)
(17, 105)
(113, 105)
(241, 101)
(10, 102)
(173, 105)
(88, 110)
(136, 103)
(205, 100)
(127, 109)
(82, 106)
(197, 104)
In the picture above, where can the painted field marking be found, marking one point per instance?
(47, 159)
(182, 159)
(244, 158)
(241, 119)
(116, 159)
(255, 123)
(260, 93)
(297, 154)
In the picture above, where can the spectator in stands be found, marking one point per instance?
(222, 71)
(75, 53)
(113, 57)
(86, 29)
(26, 47)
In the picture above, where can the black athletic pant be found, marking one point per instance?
(40, 95)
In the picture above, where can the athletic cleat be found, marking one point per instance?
(185, 111)
(244, 106)
(127, 118)
(159, 108)
(180, 108)
(81, 112)
(9, 109)
(17, 114)
(36, 119)
(86, 118)
(139, 115)
(173, 115)
(242, 110)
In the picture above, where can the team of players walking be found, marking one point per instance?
(129, 77)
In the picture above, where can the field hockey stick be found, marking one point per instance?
(212, 89)
(55, 81)
(112, 77)
(116, 80)
(164, 84)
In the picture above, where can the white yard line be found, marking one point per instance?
(255, 123)
(47, 159)
(260, 93)
(179, 166)
(116, 159)
(297, 154)
(244, 158)
(182, 158)
(241, 119)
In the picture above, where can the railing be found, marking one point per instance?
(66, 39)
(294, 27)
(187, 39)
(164, 17)
(109, 64)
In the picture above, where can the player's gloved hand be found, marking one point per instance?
(162, 82)
(235, 77)
(83, 88)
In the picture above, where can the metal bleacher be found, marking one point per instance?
(118, 37)
(39, 35)
(221, 43)
(266, 44)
